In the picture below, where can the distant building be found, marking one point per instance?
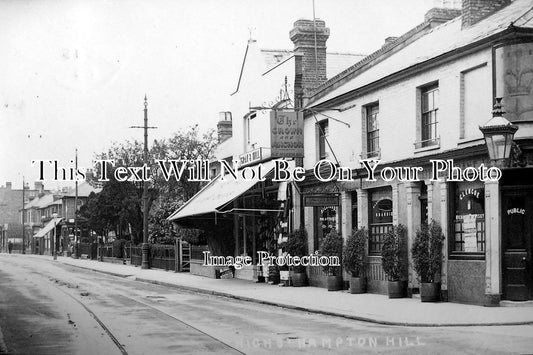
(11, 202)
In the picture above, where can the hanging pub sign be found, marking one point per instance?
(286, 134)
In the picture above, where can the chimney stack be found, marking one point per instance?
(476, 10)
(39, 186)
(224, 126)
(389, 40)
(439, 15)
(310, 67)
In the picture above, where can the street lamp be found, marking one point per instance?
(54, 215)
(498, 133)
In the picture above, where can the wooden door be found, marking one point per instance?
(517, 226)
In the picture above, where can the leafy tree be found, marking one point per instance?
(119, 205)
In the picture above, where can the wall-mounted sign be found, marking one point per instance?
(286, 134)
(516, 211)
(321, 200)
(252, 156)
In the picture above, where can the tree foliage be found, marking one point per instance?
(394, 253)
(119, 205)
(427, 251)
(332, 246)
(354, 253)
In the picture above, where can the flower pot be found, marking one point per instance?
(430, 292)
(298, 279)
(397, 289)
(357, 285)
(334, 283)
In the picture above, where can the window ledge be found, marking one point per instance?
(371, 155)
(466, 256)
(470, 140)
(428, 148)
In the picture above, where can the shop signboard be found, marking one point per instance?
(286, 134)
(321, 200)
(253, 156)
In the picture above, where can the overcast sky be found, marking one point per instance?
(74, 73)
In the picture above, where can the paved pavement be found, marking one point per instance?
(366, 307)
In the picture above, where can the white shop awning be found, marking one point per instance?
(218, 193)
(48, 227)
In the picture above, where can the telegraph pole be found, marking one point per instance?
(23, 212)
(76, 238)
(145, 264)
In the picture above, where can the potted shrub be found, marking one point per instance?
(353, 259)
(427, 260)
(332, 246)
(296, 245)
(394, 260)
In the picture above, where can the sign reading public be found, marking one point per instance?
(286, 134)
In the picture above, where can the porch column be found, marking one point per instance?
(362, 208)
(444, 223)
(395, 204)
(346, 210)
(492, 244)
(297, 208)
(412, 190)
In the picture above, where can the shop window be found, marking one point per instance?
(354, 210)
(326, 218)
(428, 123)
(380, 219)
(323, 131)
(469, 219)
(424, 203)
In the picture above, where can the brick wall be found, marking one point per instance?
(312, 68)
(475, 10)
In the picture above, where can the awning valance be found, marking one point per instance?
(49, 226)
(218, 193)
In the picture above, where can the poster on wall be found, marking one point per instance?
(514, 80)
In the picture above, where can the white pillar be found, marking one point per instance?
(412, 192)
(492, 244)
(362, 208)
(346, 210)
(444, 223)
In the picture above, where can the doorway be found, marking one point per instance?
(517, 253)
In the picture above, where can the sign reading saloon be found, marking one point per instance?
(286, 134)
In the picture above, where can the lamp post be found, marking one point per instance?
(54, 215)
(498, 133)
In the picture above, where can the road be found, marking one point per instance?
(50, 308)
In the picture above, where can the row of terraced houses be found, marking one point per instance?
(422, 96)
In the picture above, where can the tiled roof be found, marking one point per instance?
(84, 190)
(408, 51)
